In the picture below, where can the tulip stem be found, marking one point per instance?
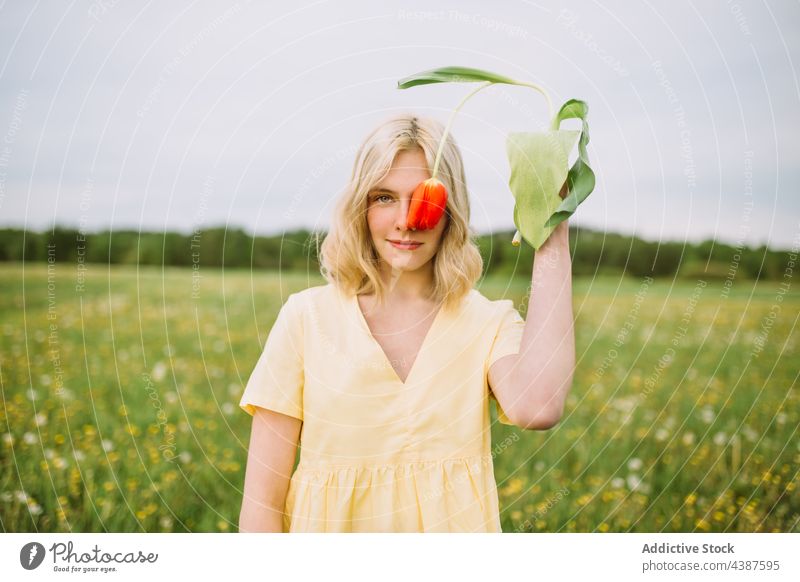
(546, 97)
(450, 123)
(468, 97)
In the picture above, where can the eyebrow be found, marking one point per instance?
(379, 190)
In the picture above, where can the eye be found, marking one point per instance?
(381, 196)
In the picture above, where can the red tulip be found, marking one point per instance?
(427, 205)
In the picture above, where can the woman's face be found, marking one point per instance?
(387, 210)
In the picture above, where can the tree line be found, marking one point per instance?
(593, 252)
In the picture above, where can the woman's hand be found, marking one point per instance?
(560, 235)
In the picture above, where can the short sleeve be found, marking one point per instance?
(508, 337)
(507, 341)
(277, 381)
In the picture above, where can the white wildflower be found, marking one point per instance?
(750, 434)
(159, 371)
(633, 482)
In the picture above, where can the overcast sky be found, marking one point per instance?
(182, 115)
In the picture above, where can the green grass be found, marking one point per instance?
(120, 404)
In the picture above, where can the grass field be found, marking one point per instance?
(120, 391)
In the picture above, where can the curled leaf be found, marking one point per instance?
(580, 179)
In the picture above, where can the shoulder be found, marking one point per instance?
(317, 300)
(481, 303)
(298, 308)
(490, 311)
(313, 295)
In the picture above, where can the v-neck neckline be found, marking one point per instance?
(386, 360)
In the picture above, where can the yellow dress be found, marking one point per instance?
(377, 454)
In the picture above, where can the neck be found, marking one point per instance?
(407, 285)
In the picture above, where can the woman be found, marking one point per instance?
(388, 369)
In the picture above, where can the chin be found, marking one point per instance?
(404, 263)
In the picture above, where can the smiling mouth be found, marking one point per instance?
(405, 245)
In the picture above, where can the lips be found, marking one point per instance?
(408, 245)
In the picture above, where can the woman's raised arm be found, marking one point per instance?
(532, 386)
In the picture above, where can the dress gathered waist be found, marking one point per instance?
(317, 466)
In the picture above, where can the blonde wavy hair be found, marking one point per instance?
(348, 257)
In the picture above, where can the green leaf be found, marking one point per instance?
(538, 163)
(580, 179)
(452, 75)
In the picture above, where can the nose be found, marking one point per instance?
(401, 217)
